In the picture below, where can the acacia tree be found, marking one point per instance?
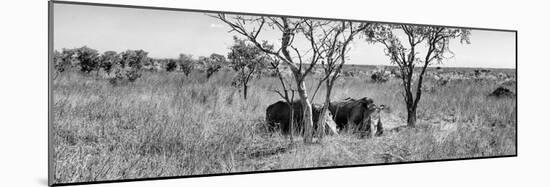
(251, 26)
(246, 60)
(331, 39)
(407, 57)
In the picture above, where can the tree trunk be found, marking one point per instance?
(321, 121)
(411, 116)
(409, 99)
(291, 122)
(307, 114)
(245, 91)
(371, 127)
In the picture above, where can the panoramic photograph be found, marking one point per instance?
(151, 93)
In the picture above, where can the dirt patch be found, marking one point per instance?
(265, 151)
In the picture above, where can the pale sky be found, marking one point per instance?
(166, 34)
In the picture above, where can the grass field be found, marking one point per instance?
(166, 124)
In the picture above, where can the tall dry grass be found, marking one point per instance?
(166, 124)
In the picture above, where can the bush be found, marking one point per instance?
(88, 59)
(171, 65)
(108, 60)
(58, 62)
(129, 68)
(134, 59)
(379, 77)
(212, 64)
(187, 64)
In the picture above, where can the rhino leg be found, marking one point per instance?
(379, 128)
(370, 128)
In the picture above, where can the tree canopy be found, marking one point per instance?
(406, 54)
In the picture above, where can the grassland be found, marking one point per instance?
(166, 124)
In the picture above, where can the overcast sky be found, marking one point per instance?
(166, 34)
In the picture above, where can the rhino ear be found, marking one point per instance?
(367, 100)
(370, 107)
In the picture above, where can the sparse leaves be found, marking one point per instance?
(404, 53)
(246, 59)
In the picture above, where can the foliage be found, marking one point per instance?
(130, 67)
(406, 56)
(134, 59)
(58, 62)
(186, 63)
(88, 59)
(212, 64)
(247, 60)
(108, 60)
(435, 38)
(171, 65)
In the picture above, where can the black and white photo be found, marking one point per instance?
(150, 93)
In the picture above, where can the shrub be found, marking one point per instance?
(171, 65)
(58, 61)
(129, 68)
(62, 61)
(379, 77)
(187, 64)
(88, 59)
(212, 64)
(108, 60)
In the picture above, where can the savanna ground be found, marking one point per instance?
(166, 124)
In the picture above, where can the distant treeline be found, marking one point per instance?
(245, 59)
(129, 64)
